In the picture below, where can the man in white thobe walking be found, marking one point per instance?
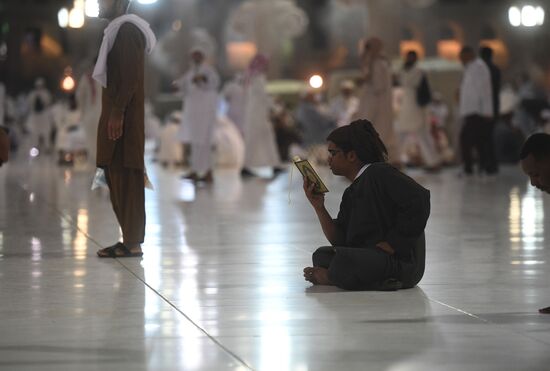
(40, 120)
(200, 95)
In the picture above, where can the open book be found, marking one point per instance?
(307, 171)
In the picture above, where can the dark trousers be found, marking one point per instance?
(477, 135)
(126, 188)
(365, 268)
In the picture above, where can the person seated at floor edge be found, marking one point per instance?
(378, 237)
(535, 163)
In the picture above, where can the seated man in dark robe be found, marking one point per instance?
(378, 237)
(535, 163)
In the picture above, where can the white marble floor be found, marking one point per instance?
(220, 285)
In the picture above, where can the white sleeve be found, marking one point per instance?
(183, 83)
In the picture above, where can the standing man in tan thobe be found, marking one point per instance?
(375, 95)
(120, 136)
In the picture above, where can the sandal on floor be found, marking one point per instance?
(111, 252)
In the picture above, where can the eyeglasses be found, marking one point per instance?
(333, 152)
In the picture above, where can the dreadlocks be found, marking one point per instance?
(361, 137)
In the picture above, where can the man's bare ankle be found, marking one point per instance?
(133, 246)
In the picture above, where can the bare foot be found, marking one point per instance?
(317, 275)
(545, 310)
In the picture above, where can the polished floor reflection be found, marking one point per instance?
(220, 284)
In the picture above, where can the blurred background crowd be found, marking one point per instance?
(279, 73)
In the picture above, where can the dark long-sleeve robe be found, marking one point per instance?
(383, 204)
(124, 94)
(122, 159)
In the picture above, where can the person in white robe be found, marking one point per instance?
(345, 105)
(170, 149)
(39, 120)
(476, 110)
(259, 134)
(199, 86)
(88, 98)
(70, 140)
(375, 95)
(438, 113)
(234, 94)
(412, 124)
(229, 144)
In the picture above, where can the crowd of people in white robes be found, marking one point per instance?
(229, 128)
(64, 127)
(239, 125)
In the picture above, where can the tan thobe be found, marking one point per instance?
(375, 104)
(123, 159)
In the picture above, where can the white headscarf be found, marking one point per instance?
(109, 37)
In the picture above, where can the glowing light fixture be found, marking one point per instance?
(68, 83)
(240, 53)
(514, 16)
(63, 17)
(92, 8)
(316, 81)
(34, 152)
(527, 16)
(76, 18)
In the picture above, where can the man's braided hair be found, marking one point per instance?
(361, 137)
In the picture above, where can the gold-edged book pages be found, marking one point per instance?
(307, 171)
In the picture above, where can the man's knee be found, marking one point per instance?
(323, 256)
